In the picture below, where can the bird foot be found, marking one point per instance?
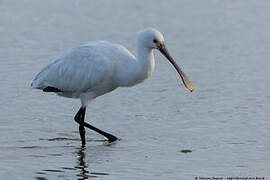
(110, 142)
(112, 139)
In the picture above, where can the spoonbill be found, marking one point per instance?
(91, 70)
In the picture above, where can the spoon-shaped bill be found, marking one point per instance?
(187, 82)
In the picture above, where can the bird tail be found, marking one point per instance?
(35, 84)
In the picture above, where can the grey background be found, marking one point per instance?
(222, 45)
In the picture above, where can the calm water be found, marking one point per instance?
(223, 47)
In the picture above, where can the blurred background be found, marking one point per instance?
(223, 46)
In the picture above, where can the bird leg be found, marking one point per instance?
(110, 137)
(79, 118)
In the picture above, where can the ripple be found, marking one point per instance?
(236, 143)
(29, 147)
(53, 170)
(161, 90)
(100, 174)
(41, 178)
(251, 141)
(36, 156)
(86, 176)
(68, 168)
(42, 147)
(55, 154)
(70, 139)
(186, 151)
(243, 166)
(60, 139)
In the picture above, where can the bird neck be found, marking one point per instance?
(145, 62)
(137, 69)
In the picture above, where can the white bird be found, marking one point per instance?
(91, 70)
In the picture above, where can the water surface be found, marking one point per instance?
(221, 129)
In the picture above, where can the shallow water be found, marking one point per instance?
(220, 130)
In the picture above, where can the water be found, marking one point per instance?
(221, 129)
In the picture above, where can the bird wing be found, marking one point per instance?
(80, 69)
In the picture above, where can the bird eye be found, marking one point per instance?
(155, 41)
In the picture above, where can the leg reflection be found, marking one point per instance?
(82, 166)
(83, 174)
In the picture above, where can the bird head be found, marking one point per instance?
(153, 39)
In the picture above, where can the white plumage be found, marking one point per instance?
(94, 69)
(88, 69)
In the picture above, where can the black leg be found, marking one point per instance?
(79, 118)
(110, 137)
(81, 127)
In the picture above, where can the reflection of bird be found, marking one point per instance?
(94, 69)
(81, 163)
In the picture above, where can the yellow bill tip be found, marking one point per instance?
(189, 85)
(191, 88)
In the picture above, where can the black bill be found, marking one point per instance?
(187, 82)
